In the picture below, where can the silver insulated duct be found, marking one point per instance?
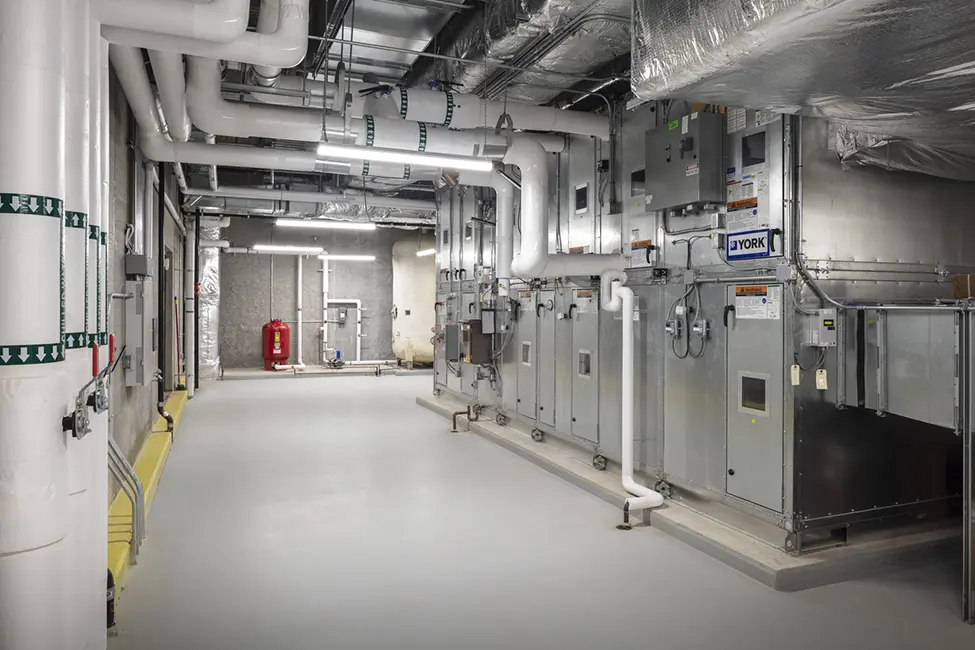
(558, 35)
(896, 72)
(208, 303)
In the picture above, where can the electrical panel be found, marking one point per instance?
(475, 345)
(685, 162)
(821, 329)
(140, 333)
(452, 342)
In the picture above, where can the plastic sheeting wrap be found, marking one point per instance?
(898, 69)
(299, 209)
(208, 304)
(509, 28)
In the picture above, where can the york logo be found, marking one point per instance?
(754, 243)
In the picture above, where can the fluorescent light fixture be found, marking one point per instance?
(426, 251)
(294, 250)
(348, 258)
(324, 224)
(349, 152)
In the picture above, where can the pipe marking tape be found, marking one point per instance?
(74, 219)
(370, 140)
(450, 110)
(404, 102)
(45, 206)
(94, 234)
(79, 220)
(76, 340)
(31, 355)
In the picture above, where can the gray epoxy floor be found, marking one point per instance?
(325, 513)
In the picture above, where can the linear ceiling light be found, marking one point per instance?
(348, 152)
(294, 250)
(348, 258)
(324, 224)
(426, 251)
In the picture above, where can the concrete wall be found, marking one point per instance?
(250, 298)
(134, 408)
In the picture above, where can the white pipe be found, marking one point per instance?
(214, 243)
(643, 497)
(34, 605)
(170, 208)
(453, 110)
(189, 307)
(267, 23)
(210, 112)
(299, 292)
(212, 170)
(171, 81)
(215, 222)
(349, 196)
(533, 259)
(324, 309)
(216, 20)
(358, 321)
(285, 48)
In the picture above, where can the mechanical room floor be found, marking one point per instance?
(336, 513)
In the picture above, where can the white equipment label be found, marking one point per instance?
(749, 244)
(758, 302)
(585, 301)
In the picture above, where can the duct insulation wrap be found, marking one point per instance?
(296, 209)
(414, 295)
(547, 34)
(894, 69)
(208, 305)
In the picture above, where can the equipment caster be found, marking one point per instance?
(437, 392)
(664, 488)
(599, 462)
(538, 435)
(501, 419)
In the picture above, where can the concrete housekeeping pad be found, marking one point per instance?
(736, 548)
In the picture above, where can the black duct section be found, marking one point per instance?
(196, 306)
(162, 307)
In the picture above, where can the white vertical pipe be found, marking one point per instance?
(267, 23)
(299, 291)
(33, 460)
(81, 541)
(622, 297)
(167, 67)
(324, 309)
(189, 304)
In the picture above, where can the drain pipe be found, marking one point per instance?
(161, 306)
(301, 364)
(615, 297)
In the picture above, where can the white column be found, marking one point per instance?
(34, 605)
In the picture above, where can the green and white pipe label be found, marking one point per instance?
(45, 206)
(31, 355)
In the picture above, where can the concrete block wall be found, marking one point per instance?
(134, 408)
(256, 288)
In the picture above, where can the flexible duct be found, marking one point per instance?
(171, 81)
(614, 298)
(533, 259)
(217, 20)
(285, 48)
(208, 304)
(34, 603)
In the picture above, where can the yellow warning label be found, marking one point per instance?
(584, 293)
(277, 337)
(743, 204)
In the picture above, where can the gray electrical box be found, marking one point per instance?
(452, 342)
(821, 329)
(685, 162)
(140, 333)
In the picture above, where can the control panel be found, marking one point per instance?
(685, 162)
(821, 329)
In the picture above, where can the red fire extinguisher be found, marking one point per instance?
(276, 337)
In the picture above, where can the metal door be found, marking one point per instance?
(468, 307)
(584, 313)
(756, 367)
(546, 357)
(525, 340)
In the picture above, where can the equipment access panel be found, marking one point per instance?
(547, 315)
(584, 313)
(756, 368)
(525, 339)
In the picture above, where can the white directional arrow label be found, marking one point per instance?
(23, 354)
(5, 354)
(15, 202)
(48, 207)
(33, 204)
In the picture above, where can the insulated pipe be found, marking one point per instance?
(453, 110)
(533, 260)
(189, 308)
(267, 23)
(285, 48)
(643, 497)
(81, 543)
(34, 605)
(217, 20)
(214, 243)
(212, 170)
(171, 81)
(349, 196)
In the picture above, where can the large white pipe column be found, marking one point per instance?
(85, 584)
(34, 606)
(171, 81)
(614, 298)
(285, 48)
(267, 23)
(216, 20)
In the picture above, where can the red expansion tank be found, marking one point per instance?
(276, 343)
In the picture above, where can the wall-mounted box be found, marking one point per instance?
(685, 162)
(140, 333)
(475, 345)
